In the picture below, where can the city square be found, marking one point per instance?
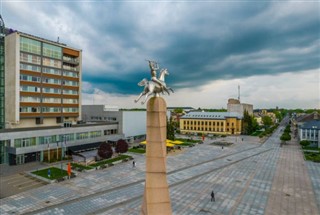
(248, 178)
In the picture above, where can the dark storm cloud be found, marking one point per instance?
(197, 42)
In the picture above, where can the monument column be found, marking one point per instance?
(156, 199)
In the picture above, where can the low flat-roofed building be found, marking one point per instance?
(211, 123)
(23, 145)
(131, 123)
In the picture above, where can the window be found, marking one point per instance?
(70, 74)
(52, 51)
(70, 101)
(83, 135)
(51, 81)
(51, 100)
(29, 78)
(51, 71)
(70, 83)
(94, 134)
(51, 90)
(28, 67)
(69, 110)
(25, 88)
(51, 62)
(28, 58)
(30, 45)
(51, 109)
(29, 99)
(30, 109)
(72, 92)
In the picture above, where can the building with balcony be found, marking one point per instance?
(221, 123)
(42, 80)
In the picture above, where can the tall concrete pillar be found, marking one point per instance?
(156, 199)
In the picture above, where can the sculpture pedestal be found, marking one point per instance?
(156, 199)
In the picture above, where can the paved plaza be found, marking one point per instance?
(248, 178)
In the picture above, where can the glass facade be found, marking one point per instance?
(52, 51)
(30, 45)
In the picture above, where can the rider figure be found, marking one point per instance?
(154, 67)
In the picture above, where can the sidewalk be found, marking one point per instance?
(291, 191)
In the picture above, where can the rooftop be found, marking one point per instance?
(211, 115)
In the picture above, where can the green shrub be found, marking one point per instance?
(304, 143)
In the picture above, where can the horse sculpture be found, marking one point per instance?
(150, 87)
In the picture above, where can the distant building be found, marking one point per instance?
(211, 123)
(235, 106)
(132, 124)
(310, 131)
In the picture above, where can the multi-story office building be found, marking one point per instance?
(43, 82)
(211, 123)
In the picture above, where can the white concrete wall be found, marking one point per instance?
(12, 80)
(134, 123)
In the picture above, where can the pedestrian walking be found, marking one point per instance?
(133, 164)
(212, 196)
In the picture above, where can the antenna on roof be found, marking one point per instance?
(239, 93)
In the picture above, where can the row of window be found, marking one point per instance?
(203, 123)
(48, 110)
(103, 118)
(203, 129)
(61, 139)
(309, 134)
(34, 46)
(55, 71)
(25, 88)
(48, 80)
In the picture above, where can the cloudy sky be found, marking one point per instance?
(271, 49)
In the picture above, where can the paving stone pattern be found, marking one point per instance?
(245, 178)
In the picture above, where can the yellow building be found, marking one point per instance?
(211, 123)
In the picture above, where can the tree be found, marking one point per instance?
(122, 146)
(178, 110)
(170, 130)
(267, 121)
(247, 123)
(105, 151)
(285, 137)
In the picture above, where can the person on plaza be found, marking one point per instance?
(133, 164)
(212, 196)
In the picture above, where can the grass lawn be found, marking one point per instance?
(311, 148)
(79, 166)
(55, 173)
(185, 144)
(138, 150)
(312, 156)
(108, 161)
(256, 133)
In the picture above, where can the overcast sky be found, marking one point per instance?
(270, 49)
